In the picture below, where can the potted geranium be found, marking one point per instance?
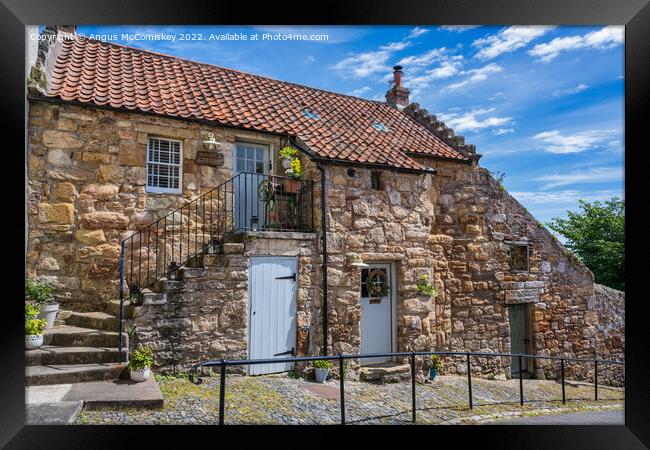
(322, 369)
(40, 293)
(140, 363)
(34, 330)
(436, 365)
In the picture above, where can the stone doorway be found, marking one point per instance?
(520, 338)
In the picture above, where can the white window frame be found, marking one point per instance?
(161, 190)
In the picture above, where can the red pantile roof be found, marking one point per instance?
(91, 71)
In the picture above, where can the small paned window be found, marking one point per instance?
(519, 257)
(375, 180)
(164, 166)
(250, 158)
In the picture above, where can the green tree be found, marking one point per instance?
(597, 235)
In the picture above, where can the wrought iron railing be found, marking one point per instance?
(195, 378)
(246, 202)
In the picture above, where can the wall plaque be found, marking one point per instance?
(204, 158)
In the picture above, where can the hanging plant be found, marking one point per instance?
(288, 152)
(424, 286)
(295, 169)
(377, 285)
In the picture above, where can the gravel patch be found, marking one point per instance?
(284, 400)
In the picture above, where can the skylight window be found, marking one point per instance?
(310, 114)
(380, 127)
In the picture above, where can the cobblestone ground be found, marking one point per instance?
(284, 400)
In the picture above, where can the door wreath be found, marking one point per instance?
(377, 284)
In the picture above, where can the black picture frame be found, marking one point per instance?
(634, 14)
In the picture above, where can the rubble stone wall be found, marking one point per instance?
(86, 190)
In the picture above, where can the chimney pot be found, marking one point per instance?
(397, 96)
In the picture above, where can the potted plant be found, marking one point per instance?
(34, 329)
(295, 172)
(287, 154)
(40, 293)
(322, 369)
(140, 363)
(436, 365)
(424, 286)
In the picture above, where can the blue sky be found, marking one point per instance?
(544, 105)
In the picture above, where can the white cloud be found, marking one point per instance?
(555, 142)
(501, 131)
(365, 64)
(417, 31)
(469, 121)
(588, 176)
(362, 65)
(310, 58)
(604, 38)
(574, 90)
(445, 70)
(427, 58)
(508, 40)
(563, 196)
(476, 75)
(360, 91)
(458, 28)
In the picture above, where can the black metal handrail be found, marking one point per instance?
(246, 202)
(223, 363)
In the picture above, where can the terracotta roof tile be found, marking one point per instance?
(91, 71)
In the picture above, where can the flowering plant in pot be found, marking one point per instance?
(40, 293)
(436, 365)
(287, 155)
(34, 330)
(140, 363)
(322, 369)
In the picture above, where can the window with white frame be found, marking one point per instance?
(164, 166)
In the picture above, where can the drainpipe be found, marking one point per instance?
(323, 209)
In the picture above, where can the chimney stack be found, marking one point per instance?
(48, 45)
(397, 96)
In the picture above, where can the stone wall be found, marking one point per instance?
(205, 316)
(392, 224)
(86, 190)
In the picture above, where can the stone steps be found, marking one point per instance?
(95, 320)
(52, 355)
(70, 336)
(72, 373)
(113, 308)
(389, 372)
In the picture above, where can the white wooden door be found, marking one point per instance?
(272, 311)
(376, 313)
(253, 160)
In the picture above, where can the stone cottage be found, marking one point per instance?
(159, 179)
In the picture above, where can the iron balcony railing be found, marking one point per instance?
(195, 378)
(246, 202)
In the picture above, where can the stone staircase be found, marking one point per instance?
(82, 348)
